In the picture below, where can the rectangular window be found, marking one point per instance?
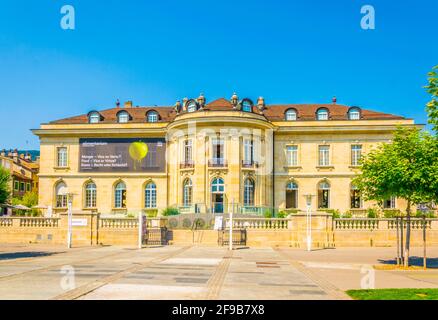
(61, 157)
(356, 202)
(22, 186)
(188, 151)
(324, 156)
(218, 151)
(16, 185)
(248, 151)
(389, 203)
(356, 154)
(292, 156)
(61, 201)
(28, 187)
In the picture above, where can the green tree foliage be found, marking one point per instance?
(4, 185)
(407, 168)
(30, 199)
(432, 106)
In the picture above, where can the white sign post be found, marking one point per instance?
(309, 221)
(231, 225)
(70, 218)
(140, 230)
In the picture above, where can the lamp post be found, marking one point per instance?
(309, 220)
(70, 218)
(231, 226)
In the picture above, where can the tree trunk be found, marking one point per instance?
(408, 233)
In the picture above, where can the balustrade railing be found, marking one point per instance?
(118, 223)
(356, 224)
(39, 222)
(260, 223)
(6, 222)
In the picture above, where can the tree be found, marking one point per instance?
(4, 185)
(407, 169)
(432, 106)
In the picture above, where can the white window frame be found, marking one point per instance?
(322, 115)
(248, 150)
(118, 195)
(150, 195)
(292, 155)
(291, 115)
(123, 117)
(323, 155)
(94, 117)
(61, 158)
(152, 116)
(187, 192)
(187, 151)
(356, 154)
(90, 195)
(354, 114)
(249, 192)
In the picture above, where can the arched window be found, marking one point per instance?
(218, 185)
(90, 195)
(94, 117)
(248, 192)
(291, 195)
(152, 116)
(322, 114)
(246, 105)
(120, 195)
(187, 192)
(122, 117)
(150, 195)
(354, 114)
(324, 195)
(192, 106)
(61, 195)
(291, 115)
(356, 201)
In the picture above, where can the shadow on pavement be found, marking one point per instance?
(19, 255)
(414, 261)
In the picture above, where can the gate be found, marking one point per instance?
(156, 236)
(239, 237)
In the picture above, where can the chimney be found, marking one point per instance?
(22, 156)
(128, 104)
(185, 100)
(334, 100)
(118, 103)
(15, 155)
(28, 157)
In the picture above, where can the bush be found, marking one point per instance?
(282, 215)
(428, 214)
(372, 213)
(391, 213)
(334, 212)
(348, 214)
(151, 213)
(267, 213)
(170, 211)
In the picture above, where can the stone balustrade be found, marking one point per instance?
(260, 223)
(381, 224)
(6, 222)
(24, 222)
(118, 223)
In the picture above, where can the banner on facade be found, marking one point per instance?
(122, 155)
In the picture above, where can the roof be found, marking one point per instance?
(273, 112)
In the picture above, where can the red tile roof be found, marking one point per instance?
(272, 112)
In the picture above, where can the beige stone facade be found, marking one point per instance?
(256, 157)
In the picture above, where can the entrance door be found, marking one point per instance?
(218, 202)
(291, 199)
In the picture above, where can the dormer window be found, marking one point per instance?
(354, 114)
(291, 115)
(246, 105)
(94, 117)
(192, 106)
(152, 116)
(122, 117)
(322, 114)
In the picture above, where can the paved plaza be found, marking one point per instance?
(196, 272)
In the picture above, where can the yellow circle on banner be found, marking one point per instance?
(138, 150)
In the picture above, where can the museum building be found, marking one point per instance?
(203, 157)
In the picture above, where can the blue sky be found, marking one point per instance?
(156, 52)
